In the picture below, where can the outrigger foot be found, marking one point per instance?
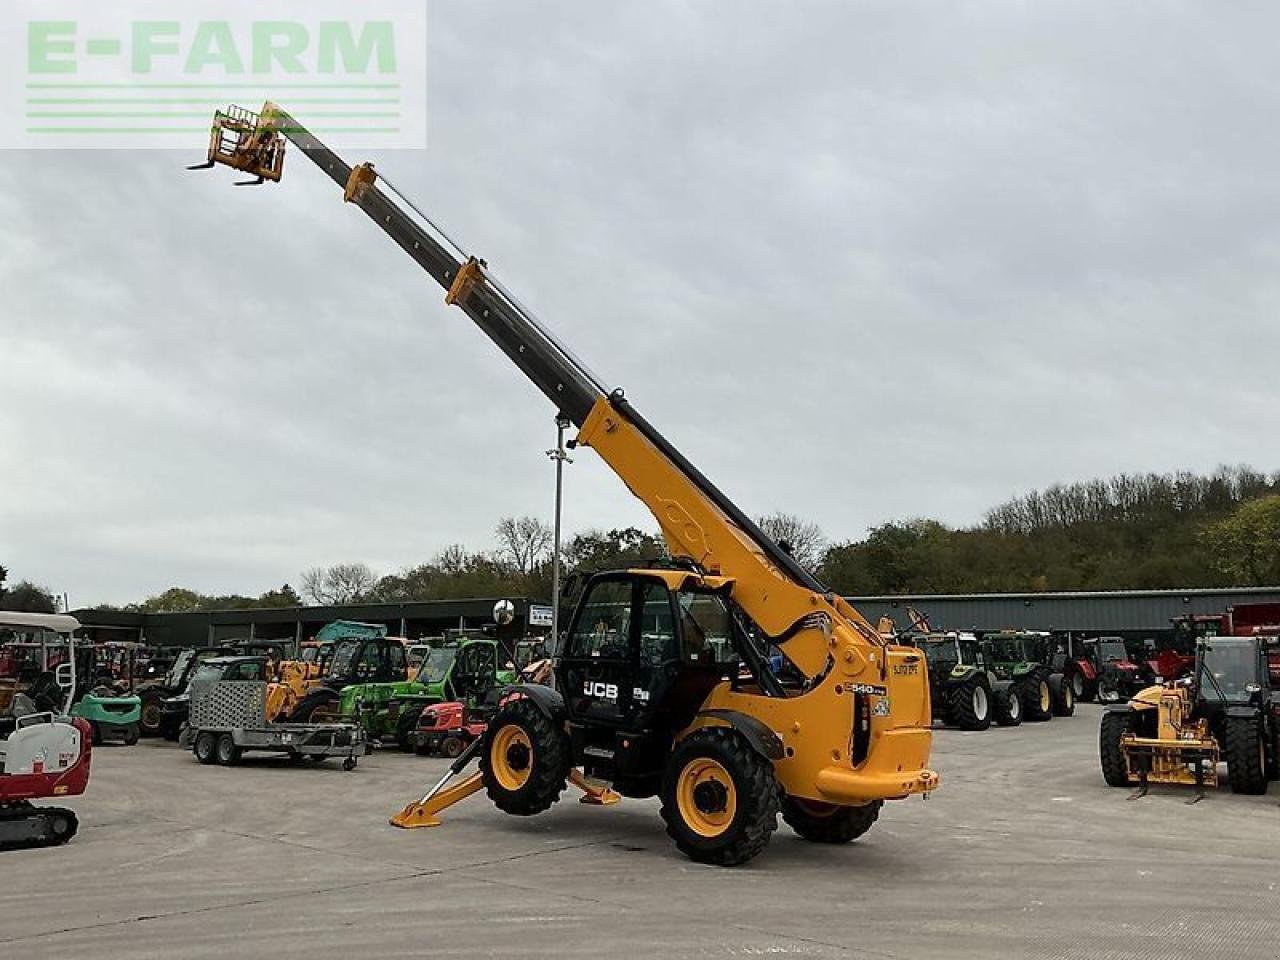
(593, 794)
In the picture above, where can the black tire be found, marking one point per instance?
(1115, 723)
(1037, 698)
(1246, 756)
(1006, 706)
(754, 810)
(205, 747)
(228, 753)
(96, 731)
(1107, 689)
(1064, 698)
(828, 823)
(149, 721)
(530, 773)
(452, 747)
(312, 702)
(969, 706)
(131, 735)
(405, 725)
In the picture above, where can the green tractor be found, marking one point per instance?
(964, 690)
(366, 684)
(1023, 658)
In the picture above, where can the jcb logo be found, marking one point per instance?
(905, 669)
(600, 690)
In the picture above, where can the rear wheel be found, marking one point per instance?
(1246, 755)
(1115, 724)
(228, 752)
(970, 704)
(318, 706)
(719, 798)
(206, 747)
(827, 822)
(1007, 706)
(525, 760)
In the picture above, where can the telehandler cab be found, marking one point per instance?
(664, 686)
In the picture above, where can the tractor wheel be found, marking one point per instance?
(206, 747)
(228, 752)
(1007, 706)
(452, 747)
(969, 707)
(525, 760)
(318, 706)
(1037, 698)
(1115, 724)
(1108, 691)
(1064, 698)
(1246, 752)
(150, 719)
(828, 823)
(405, 725)
(131, 735)
(719, 798)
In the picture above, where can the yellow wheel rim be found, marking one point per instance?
(511, 757)
(706, 797)
(1045, 701)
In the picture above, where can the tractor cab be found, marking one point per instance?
(643, 651)
(1238, 670)
(365, 660)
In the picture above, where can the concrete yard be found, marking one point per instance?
(1022, 853)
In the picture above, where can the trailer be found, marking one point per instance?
(229, 718)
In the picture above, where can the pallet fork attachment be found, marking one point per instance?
(422, 813)
(246, 141)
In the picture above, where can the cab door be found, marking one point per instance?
(599, 657)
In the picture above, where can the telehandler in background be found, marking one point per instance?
(664, 686)
(1178, 731)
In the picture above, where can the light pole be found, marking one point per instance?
(561, 457)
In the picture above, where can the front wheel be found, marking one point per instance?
(828, 823)
(319, 706)
(1064, 697)
(719, 798)
(525, 760)
(1037, 698)
(1246, 751)
(151, 714)
(1115, 769)
(970, 707)
(406, 723)
(1007, 706)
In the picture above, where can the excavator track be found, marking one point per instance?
(24, 826)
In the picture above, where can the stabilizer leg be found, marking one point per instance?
(422, 813)
(594, 794)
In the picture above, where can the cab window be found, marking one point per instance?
(604, 623)
(706, 629)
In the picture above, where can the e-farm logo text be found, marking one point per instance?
(95, 74)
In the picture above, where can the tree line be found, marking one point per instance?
(1130, 531)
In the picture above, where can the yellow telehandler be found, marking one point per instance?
(664, 684)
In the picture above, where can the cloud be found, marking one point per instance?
(860, 261)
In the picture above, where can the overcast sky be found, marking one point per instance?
(860, 261)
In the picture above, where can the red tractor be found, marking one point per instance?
(446, 729)
(1100, 668)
